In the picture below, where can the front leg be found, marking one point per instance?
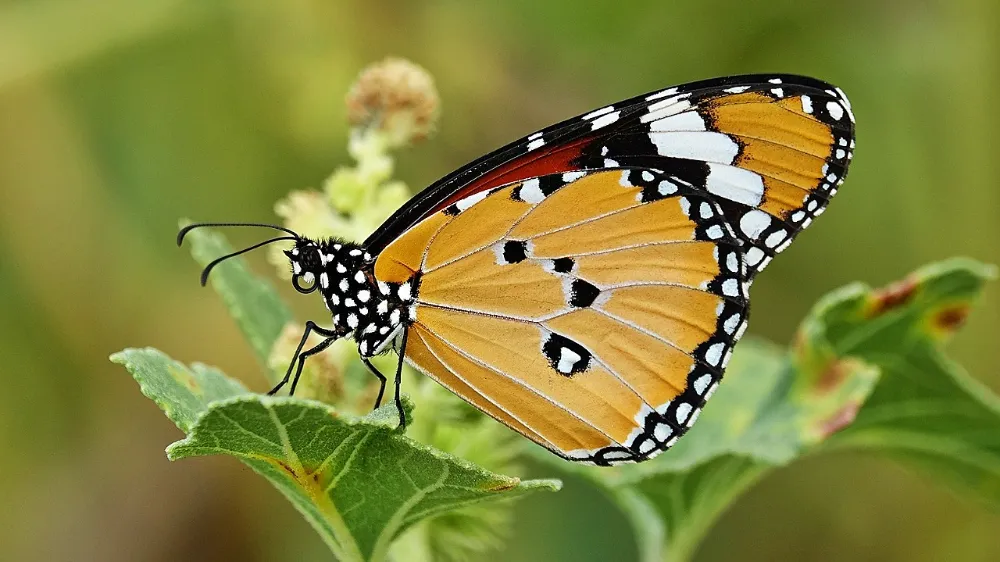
(299, 358)
(381, 378)
(399, 377)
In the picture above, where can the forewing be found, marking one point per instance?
(770, 149)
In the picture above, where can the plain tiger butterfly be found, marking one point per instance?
(585, 285)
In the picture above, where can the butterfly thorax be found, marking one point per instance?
(371, 311)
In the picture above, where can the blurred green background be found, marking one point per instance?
(118, 117)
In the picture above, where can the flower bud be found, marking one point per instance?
(395, 99)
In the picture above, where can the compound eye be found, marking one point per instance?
(309, 278)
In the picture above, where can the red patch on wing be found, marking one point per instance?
(552, 160)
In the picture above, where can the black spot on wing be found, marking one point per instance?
(562, 265)
(583, 294)
(515, 251)
(566, 356)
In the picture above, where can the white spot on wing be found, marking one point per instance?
(694, 145)
(666, 187)
(567, 359)
(531, 191)
(753, 256)
(732, 262)
(702, 383)
(807, 104)
(535, 144)
(735, 184)
(731, 288)
(775, 238)
(714, 353)
(665, 108)
(683, 411)
(471, 200)
(661, 94)
(835, 110)
(604, 120)
(662, 432)
(686, 121)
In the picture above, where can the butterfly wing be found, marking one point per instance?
(772, 150)
(593, 312)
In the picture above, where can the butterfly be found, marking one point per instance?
(585, 285)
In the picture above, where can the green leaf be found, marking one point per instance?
(871, 357)
(358, 480)
(252, 301)
(182, 393)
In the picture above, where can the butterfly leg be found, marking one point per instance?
(299, 357)
(381, 378)
(399, 378)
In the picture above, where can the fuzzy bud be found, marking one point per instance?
(396, 99)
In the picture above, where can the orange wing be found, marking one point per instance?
(593, 312)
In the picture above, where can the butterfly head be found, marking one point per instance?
(307, 260)
(325, 263)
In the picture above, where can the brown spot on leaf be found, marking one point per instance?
(893, 296)
(504, 486)
(288, 469)
(185, 378)
(839, 420)
(951, 318)
(832, 376)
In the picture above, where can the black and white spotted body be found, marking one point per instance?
(374, 313)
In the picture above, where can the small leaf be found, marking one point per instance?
(253, 302)
(866, 371)
(358, 480)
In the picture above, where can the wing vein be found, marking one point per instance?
(548, 444)
(529, 388)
